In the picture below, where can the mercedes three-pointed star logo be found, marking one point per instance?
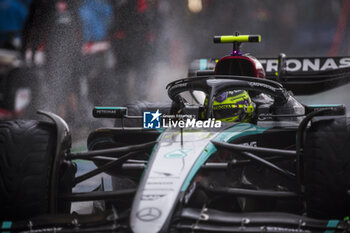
(148, 214)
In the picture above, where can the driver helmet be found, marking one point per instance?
(233, 106)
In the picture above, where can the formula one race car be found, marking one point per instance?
(267, 163)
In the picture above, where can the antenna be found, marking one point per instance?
(236, 49)
(237, 41)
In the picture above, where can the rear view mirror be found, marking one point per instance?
(110, 112)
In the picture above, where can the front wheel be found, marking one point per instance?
(327, 168)
(27, 152)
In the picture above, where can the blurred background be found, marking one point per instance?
(67, 56)
(76, 54)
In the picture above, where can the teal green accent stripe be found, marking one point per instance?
(161, 130)
(6, 225)
(202, 64)
(109, 108)
(78, 149)
(228, 135)
(332, 224)
(80, 161)
(208, 151)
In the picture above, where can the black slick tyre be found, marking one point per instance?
(27, 150)
(327, 169)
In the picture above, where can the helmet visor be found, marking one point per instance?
(228, 112)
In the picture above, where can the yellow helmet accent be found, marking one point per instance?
(233, 106)
(238, 38)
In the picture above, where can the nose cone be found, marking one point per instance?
(142, 226)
